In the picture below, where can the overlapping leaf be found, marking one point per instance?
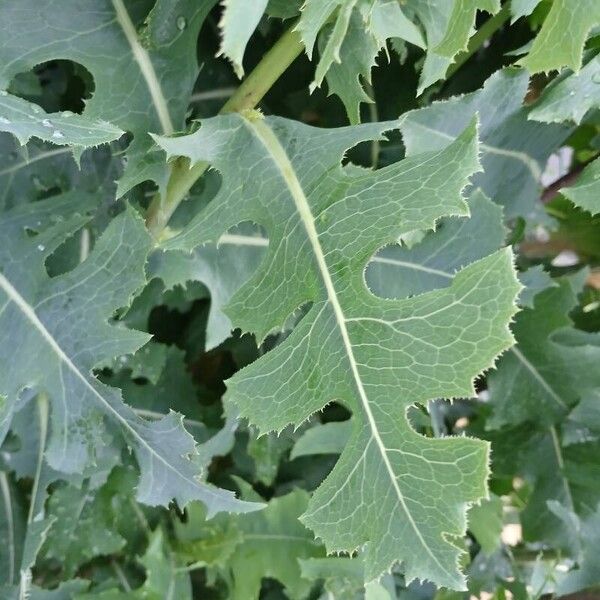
(55, 330)
(561, 39)
(324, 223)
(514, 150)
(143, 81)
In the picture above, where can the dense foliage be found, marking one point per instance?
(299, 299)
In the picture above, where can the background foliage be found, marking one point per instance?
(247, 356)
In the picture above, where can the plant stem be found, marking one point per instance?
(247, 96)
(485, 32)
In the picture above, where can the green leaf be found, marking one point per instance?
(350, 34)
(330, 438)
(164, 576)
(585, 193)
(63, 331)
(541, 379)
(237, 24)
(324, 224)
(570, 96)
(25, 120)
(273, 542)
(399, 272)
(223, 268)
(562, 36)
(143, 81)
(485, 523)
(12, 530)
(514, 150)
(81, 528)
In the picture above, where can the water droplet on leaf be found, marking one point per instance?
(58, 134)
(3, 93)
(67, 113)
(47, 123)
(181, 23)
(41, 247)
(4, 121)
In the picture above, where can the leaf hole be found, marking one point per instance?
(56, 85)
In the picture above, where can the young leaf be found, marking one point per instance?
(324, 224)
(61, 329)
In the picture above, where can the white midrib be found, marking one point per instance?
(29, 313)
(146, 67)
(277, 153)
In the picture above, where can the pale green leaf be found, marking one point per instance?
(62, 328)
(330, 438)
(585, 192)
(541, 378)
(273, 542)
(223, 268)
(237, 24)
(570, 96)
(81, 528)
(562, 36)
(374, 355)
(25, 120)
(513, 149)
(143, 81)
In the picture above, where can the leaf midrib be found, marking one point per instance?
(14, 296)
(276, 152)
(146, 67)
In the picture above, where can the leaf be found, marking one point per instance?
(485, 523)
(164, 577)
(25, 120)
(238, 22)
(273, 542)
(223, 268)
(541, 379)
(324, 225)
(570, 96)
(329, 438)
(81, 528)
(37, 170)
(585, 193)
(514, 150)
(350, 34)
(63, 331)
(135, 86)
(399, 272)
(562, 36)
(586, 574)
(448, 26)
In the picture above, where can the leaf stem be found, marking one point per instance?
(247, 96)
(485, 32)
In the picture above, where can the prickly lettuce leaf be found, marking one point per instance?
(143, 65)
(324, 224)
(61, 329)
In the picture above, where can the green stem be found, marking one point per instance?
(247, 96)
(485, 32)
